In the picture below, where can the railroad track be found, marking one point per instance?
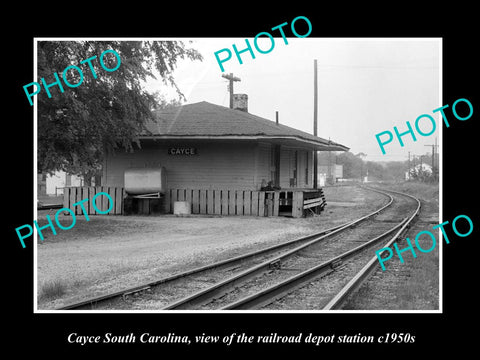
(239, 282)
(340, 257)
(340, 298)
(327, 284)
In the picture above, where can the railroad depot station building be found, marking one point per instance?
(222, 161)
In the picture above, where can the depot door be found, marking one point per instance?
(275, 165)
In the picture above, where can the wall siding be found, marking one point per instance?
(218, 165)
(229, 166)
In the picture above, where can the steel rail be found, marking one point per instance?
(211, 292)
(223, 263)
(312, 238)
(282, 288)
(218, 264)
(338, 300)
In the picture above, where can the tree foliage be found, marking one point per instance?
(354, 167)
(78, 127)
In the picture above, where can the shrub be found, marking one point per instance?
(52, 289)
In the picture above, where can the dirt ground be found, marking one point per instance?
(110, 253)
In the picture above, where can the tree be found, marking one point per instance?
(376, 171)
(352, 164)
(78, 127)
(160, 102)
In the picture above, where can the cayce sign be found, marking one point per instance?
(182, 151)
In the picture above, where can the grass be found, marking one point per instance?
(413, 285)
(420, 290)
(53, 289)
(425, 191)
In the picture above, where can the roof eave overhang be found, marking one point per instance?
(287, 140)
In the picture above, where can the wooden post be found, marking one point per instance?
(261, 203)
(66, 199)
(174, 197)
(78, 197)
(239, 202)
(247, 194)
(72, 197)
(196, 201)
(203, 201)
(224, 202)
(231, 202)
(217, 202)
(84, 195)
(254, 203)
(104, 199)
(111, 192)
(91, 194)
(188, 197)
(210, 202)
(297, 204)
(276, 203)
(118, 200)
(181, 195)
(269, 203)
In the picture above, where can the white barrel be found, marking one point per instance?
(182, 208)
(140, 181)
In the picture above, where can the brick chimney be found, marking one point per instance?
(240, 102)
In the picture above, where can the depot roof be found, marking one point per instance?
(204, 120)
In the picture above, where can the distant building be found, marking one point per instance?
(329, 174)
(418, 171)
(55, 183)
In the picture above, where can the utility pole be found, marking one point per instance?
(315, 114)
(409, 174)
(414, 167)
(329, 171)
(231, 79)
(434, 149)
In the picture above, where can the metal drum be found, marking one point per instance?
(143, 182)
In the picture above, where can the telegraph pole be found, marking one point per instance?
(434, 149)
(315, 114)
(231, 79)
(408, 176)
(329, 172)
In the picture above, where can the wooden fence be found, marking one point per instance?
(231, 202)
(72, 195)
(212, 202)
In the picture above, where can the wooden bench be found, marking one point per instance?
(319, 201)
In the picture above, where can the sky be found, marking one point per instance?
(365, 86)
